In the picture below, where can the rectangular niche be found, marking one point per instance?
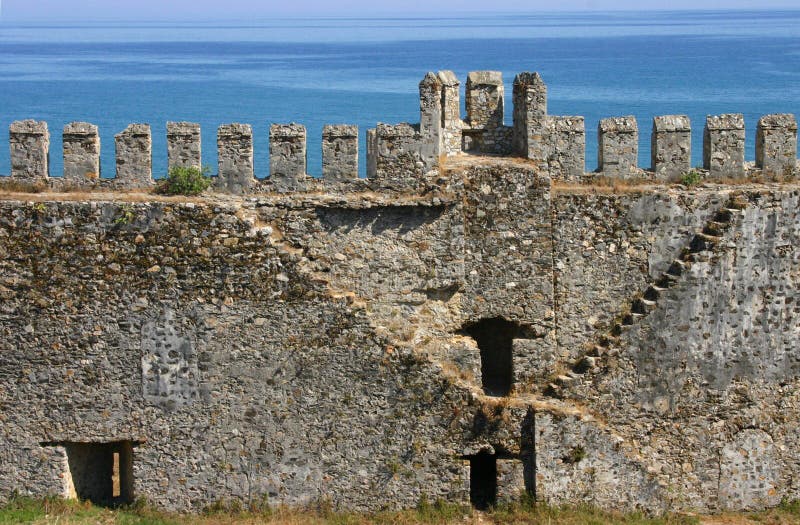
(101, 473)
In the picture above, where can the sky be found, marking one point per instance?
(32, 10)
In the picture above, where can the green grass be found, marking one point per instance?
(57, 511)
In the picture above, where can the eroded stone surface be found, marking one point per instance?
(30, 150)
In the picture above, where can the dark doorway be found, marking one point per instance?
(483, 480)
(495, 337)
(102, 472)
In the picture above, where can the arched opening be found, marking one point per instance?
(495, 338)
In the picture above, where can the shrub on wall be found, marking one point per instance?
(184, 181)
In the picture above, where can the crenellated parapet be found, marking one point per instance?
(134, 148)
(287, 156)
(545, 139)
(235, 157)
(671, 146)
(407, 157)
(81, 144)
(340, 152)
(183, 145)
(723, 146)
(776, 145)
(618, 147)
(30, 150)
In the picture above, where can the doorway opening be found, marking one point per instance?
(482, 480)
(101, 473)
(495, 339)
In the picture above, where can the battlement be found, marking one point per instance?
(404, 156)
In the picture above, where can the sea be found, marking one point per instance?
(365, 70)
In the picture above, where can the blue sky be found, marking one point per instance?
(227, 9)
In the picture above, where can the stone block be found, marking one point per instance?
(530, 116)
(287, 156)
(399, 161)
(723, 146)
(485, 96)
(430, 111)
(372, 153)
(510, 480)
(776, 145)
(235, 157)
(339, 152)
(184, 145)
(451, 113)
(134, 148)
(30, 150)
(81, 144)
(671, 146)
(749, 477)
(534, 362)
(567, 139)
(618, 148)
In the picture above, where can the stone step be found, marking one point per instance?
(643, 306)
(677, 268)
(596, 351)
(584, 364)
(703, 242)
(715, 228)
(724, 215)
(653, 292)
(666, 280)
(552, 390)
(631, 319)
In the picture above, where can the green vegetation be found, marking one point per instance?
(126, 215)
(691, 178)
(184, 181)
(65, 512)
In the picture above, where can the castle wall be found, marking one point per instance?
(671, 149)
(339, 152)
(287, 156)
(618, 150)
(776, 145)
(30, 150)
(184, 148)
(81, 142)
(235, 145)
(237, 378)
(723, 146)
(408, 156)
(322, 344)
(134, 148)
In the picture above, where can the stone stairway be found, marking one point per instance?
(700, 248)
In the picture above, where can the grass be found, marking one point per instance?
(58, 511)
(69, 512)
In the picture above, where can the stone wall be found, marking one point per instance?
(134, 148)
(370, 343)
(315, 349)
(340, 152)
(30, 150)
(81, 142)
(723, 146)
(671, 146)
(183, 145)
(235, 145)
(287, 156)
(412, 155)
(776, 145)
(618, 149)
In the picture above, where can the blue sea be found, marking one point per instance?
(366, 70)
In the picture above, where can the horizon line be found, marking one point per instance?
(390, 14)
